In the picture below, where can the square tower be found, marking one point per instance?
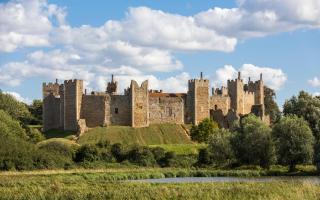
(198, 100)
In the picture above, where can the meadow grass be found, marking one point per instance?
(105, 184)
(154, 134)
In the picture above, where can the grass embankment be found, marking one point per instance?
(154, 134)
(94, 184)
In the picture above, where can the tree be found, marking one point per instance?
(141, 156)
(252, 142)
(14, 108)
(219, 148)
(202, 132)
(10, 127)
(294, 141)
(308, 107)
(271, 107)
(36, 111)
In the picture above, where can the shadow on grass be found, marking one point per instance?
(59, 134)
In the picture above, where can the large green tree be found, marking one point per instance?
(271, 106)
(306, 106)
(294, 141)
(36, 110)
(16, 109)
(203, 130)
(219, 148)
(252, 142)
(10, 127)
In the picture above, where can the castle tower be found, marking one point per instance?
(257, 88)
(112, 87)
(73, 90)
(259, 91)
(236, 93)
(61, 93)
(198, 105)
(139, 104)
(51, 106)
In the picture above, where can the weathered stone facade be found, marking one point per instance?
(66, 107)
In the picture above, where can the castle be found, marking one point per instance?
(67, 106)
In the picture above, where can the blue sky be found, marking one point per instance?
(167, 42)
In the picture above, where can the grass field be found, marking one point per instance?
(154, 134)
(105, 184)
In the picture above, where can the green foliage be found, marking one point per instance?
(17, 154)
(10, 127)
(34, 135)
(59, 148)
(14, 108)
(142, 156)
(201, 132)
(36, 111)
(252, 142)
(219, 151)
(271, 106)
(294, 141)
(181, 149)
(307, 107)
(87, 153)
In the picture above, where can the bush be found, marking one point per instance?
(117, 152)
(252, 142)
(87, 152)
(294, 141)
(141, 156)
(202, 132)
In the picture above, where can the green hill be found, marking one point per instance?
(154, 134)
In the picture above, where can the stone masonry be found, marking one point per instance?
(66, 106)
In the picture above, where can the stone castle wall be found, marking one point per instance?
(51, 112)
(140, 104)
(166, 109)
(66, 107)
(120, 110)
(93, 109)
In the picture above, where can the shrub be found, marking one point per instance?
(117, 152)
(294, 141)
(141, 156)
(34, 135)
(87, 152)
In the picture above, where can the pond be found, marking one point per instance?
(311, 179)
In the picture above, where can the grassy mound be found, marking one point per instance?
(60, 140)
(154, 134)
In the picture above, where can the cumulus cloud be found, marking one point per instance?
(18, 97)
(272, 77)
(257, 18)
(315, 82)
(27, 23)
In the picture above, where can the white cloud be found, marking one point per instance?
(27, 23)
(18, 97)
(147, 27)
(272, 77)
(257, 18)
(315, 82)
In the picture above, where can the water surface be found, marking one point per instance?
(311, 179)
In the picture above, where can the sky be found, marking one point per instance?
(166, 42)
